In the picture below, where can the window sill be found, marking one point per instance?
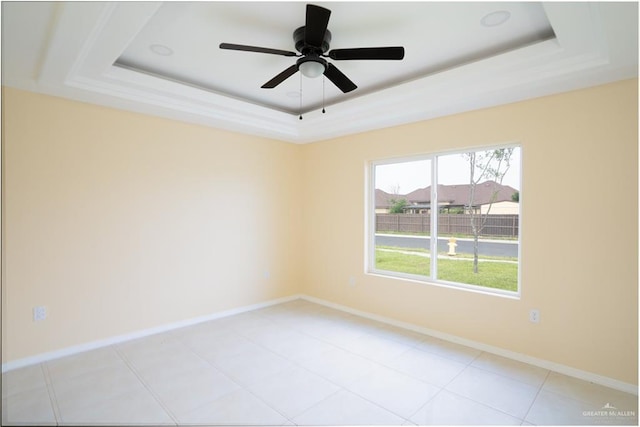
(444, 284)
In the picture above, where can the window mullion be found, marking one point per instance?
(434, 218)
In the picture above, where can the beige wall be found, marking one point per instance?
(579, 151)
(119, 222)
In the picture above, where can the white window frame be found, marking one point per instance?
(370, 228)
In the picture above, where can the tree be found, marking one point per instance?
(397, 206)
(515, 197)
(398, 202)
(490, 165)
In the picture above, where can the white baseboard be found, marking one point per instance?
(68, 351)
(552, 366)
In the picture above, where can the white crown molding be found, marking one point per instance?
(89, 37)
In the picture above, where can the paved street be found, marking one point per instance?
(491, 248)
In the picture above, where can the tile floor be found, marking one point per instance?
(300, 363)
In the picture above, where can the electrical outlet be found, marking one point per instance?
(352, 281)
(534, 316)
(266, 274)
(39, 313)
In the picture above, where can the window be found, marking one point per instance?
(451, 218)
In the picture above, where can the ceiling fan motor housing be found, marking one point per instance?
(298, 38)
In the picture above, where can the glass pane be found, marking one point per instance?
(479, 217)
(402, 217)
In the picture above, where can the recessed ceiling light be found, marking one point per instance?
(496, 18)
(160, 49)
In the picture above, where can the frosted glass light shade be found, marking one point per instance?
(311, 69)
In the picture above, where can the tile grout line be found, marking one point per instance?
(235, 381)
(524, 418)
(343, 388)
(144, 384)
(340, 387)
(406, 419)
(297, 364)
(409, 347)
(508, 376)
(442, 388)
(471, 365)
(340, 390)
(52, 393)
(487, 406)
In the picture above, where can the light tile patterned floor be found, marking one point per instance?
(300, 363)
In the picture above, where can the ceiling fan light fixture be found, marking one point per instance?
(312, 68)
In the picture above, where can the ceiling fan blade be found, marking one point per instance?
(393, 53)
(339, 79)
(281, 77)
(316, 25)
(246, 48)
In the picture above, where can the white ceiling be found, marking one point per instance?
(100, 52)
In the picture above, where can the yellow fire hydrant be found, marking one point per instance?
(452, 246)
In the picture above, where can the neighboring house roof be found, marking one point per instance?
(453, 195)
(383, 199)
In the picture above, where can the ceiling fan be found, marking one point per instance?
(312, 41)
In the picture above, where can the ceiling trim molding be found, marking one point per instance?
(89, 37)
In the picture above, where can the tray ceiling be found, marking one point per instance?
(181, 40)
(163, 58)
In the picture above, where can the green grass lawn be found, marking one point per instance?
(491, 274)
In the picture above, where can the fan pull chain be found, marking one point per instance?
(323, 80)
(300, 96)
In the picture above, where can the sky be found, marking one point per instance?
(453, 169)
